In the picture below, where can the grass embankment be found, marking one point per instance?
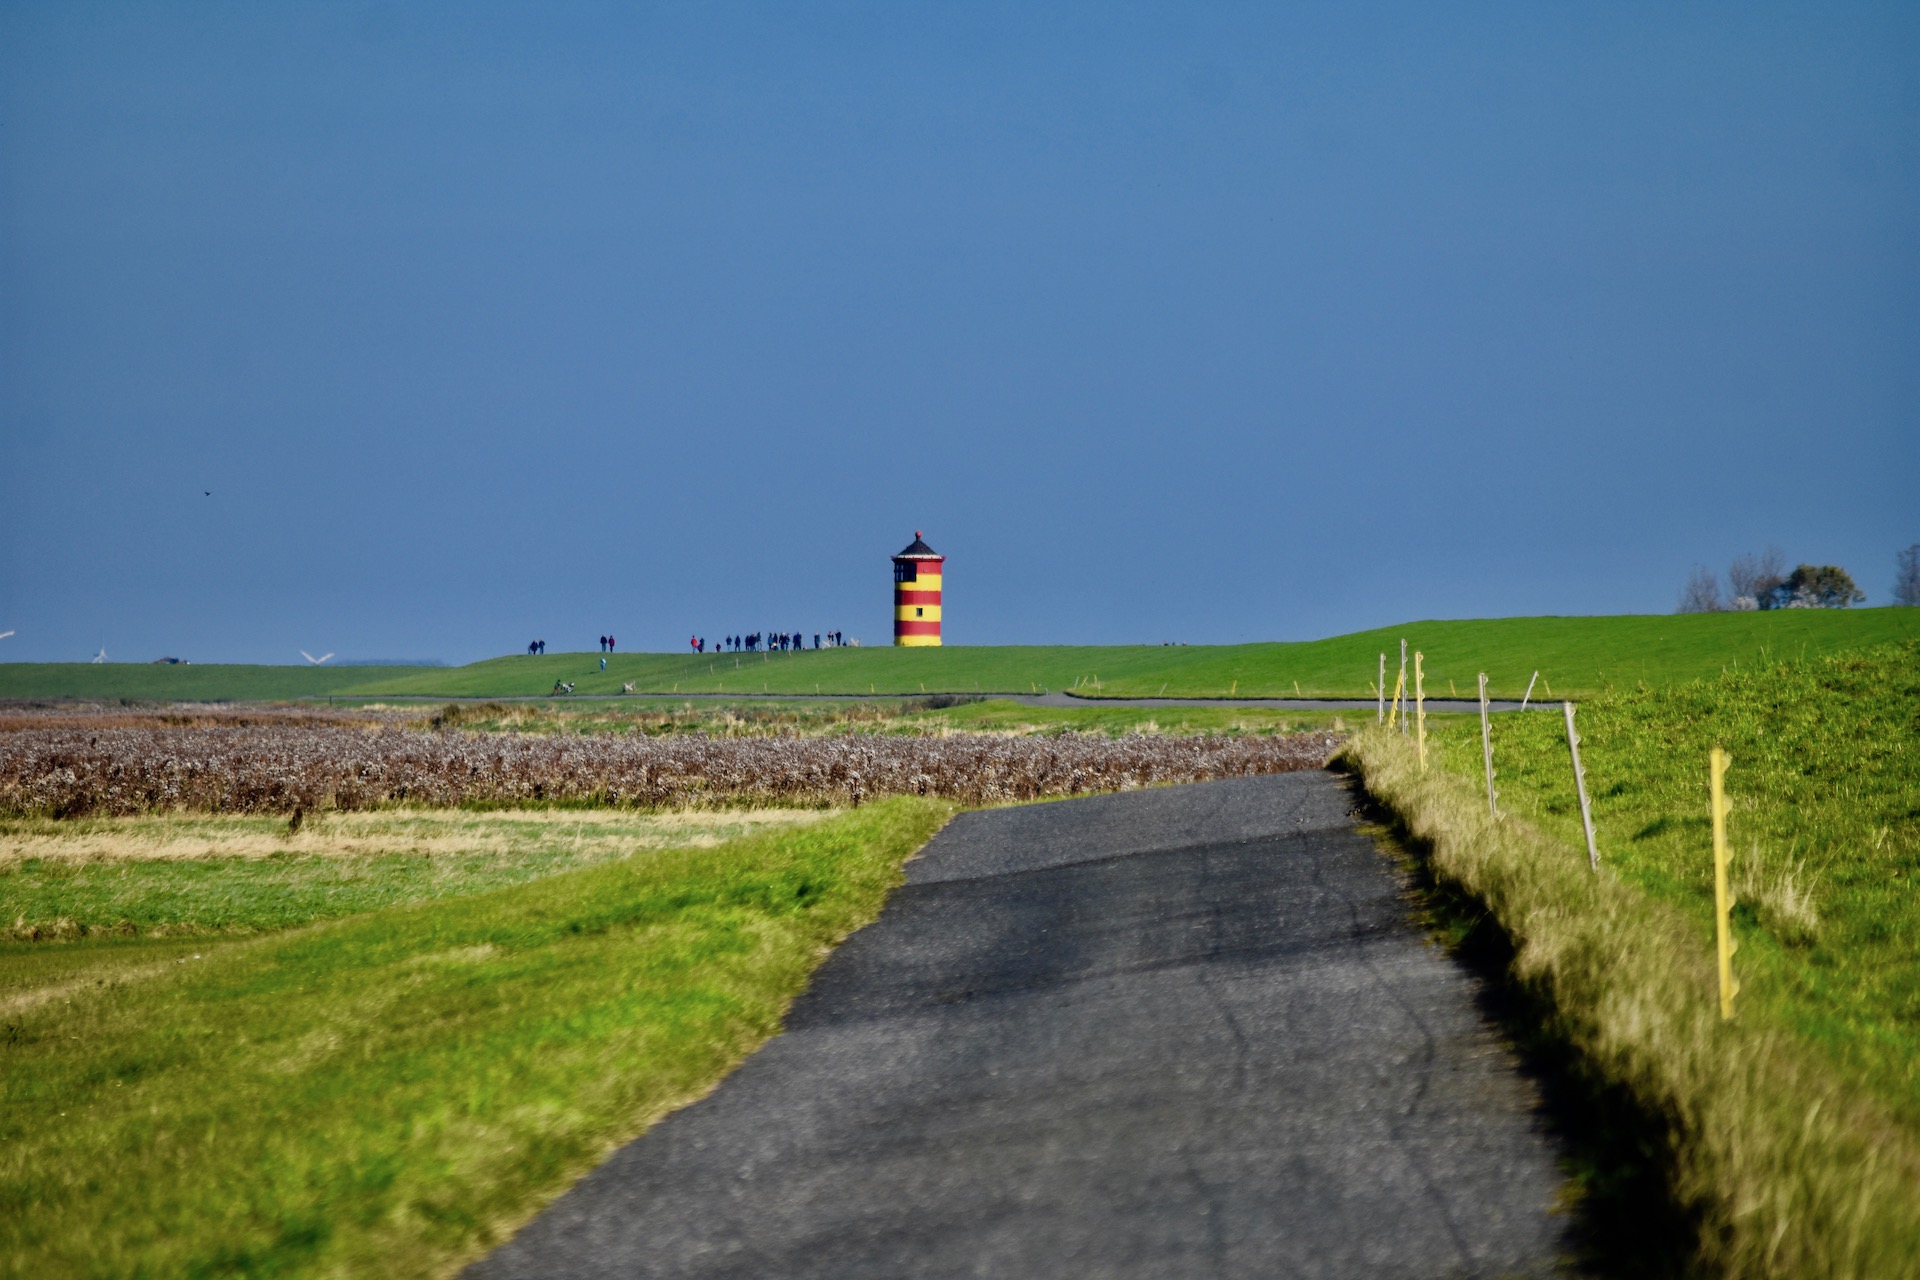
(390, 1093)
(1795, 1129)
(189, 682)
(184, 874)
(1575, 656)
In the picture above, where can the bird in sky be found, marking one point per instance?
(315, 661)
(208, 492)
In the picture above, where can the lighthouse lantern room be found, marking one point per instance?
(916, 594)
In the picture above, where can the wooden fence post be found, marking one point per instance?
(1401, 685)
(1717, 762)
(1580, 781)
(1420, 705)
(1381, 689)
(1486, 747)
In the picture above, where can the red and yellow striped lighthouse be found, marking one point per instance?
(916, 594)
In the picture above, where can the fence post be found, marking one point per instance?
(1717, 762)
(1523, 701)
(1381, 690)
(1394, 713)
(1400, 687)
(1580, 781)
(1420, 705)
(1486, 747)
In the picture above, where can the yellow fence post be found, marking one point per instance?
(1381, 689)
(1393, 712)
(1717, 762)
(1420, 705)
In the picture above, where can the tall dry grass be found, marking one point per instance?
(1788, 1169)
(63, 771)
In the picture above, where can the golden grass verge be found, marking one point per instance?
(1787, 1169)
(365, 833)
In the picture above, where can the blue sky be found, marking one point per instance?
(1165, 322)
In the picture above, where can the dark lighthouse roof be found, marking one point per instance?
(917, 550)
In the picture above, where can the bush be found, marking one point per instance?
(1824, 586)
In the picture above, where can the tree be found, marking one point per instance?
(1753, 579)
(1906, 577)
(1822, 586)
(1701, 594)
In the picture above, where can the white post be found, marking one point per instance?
(1403, 682)
(1523, 701)
(1486, 747)
(1580, 781)
(1420, 702)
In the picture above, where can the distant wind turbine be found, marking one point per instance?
(315, 661)
(102, 655)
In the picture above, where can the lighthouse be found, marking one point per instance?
(916, 594)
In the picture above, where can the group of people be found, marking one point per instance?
(770, 642)
(774, 642)
(540, 646)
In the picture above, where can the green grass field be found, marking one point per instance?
(1825, 831)
(180, 874)
(1575, 656)
(1796, 1128)
(391, 1093)
(213, 682)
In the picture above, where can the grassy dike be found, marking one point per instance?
(391, 1093)
(1575, 656)
(1792, 1133)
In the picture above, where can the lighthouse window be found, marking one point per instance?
(903, 571)
(918, 612)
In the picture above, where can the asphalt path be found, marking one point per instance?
(1188, 1031)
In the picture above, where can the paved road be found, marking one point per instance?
(1171, 1033)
